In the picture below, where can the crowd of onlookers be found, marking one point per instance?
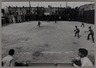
(23, 14)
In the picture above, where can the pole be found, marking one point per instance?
(73, 5)
(60, 5)
(29, 4)
(66, 4)
(38, 11)
(38, 4)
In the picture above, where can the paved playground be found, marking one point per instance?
(53, 42)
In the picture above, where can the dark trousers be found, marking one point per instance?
(38, 25)
(92, 36)
(77, 34)
(82, 25)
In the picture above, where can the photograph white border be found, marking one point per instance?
(45, 1)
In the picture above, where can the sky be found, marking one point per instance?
(44, 4)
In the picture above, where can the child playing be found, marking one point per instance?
(39, 23)
(77, 31)
(91, 33)
(55, 21)
(8, 60)
(82, 25)
(82, 60)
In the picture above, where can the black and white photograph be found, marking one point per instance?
(48, 34)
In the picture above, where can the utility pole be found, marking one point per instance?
(29, 12)
(38, 11)
(73, 5)
(38, 4)
(29, 4)
(60, 5)
(66, 4)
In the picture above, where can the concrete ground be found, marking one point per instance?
(50, 43)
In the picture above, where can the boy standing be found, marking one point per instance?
(82, 25)
(77, 32)
(39, 23)
(91, 33)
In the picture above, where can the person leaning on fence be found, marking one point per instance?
(82, 60)
(91, 33)
(77, 31)
(8, 60)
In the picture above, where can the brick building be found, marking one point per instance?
(86, 13)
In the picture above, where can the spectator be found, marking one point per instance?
(13, 19)
(8, 60)
(82, 60)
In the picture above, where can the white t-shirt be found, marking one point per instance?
(86, 62)
(7, 61)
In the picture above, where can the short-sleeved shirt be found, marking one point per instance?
(86, 62)
(77, 30)
(91, 31)
(7, 61)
